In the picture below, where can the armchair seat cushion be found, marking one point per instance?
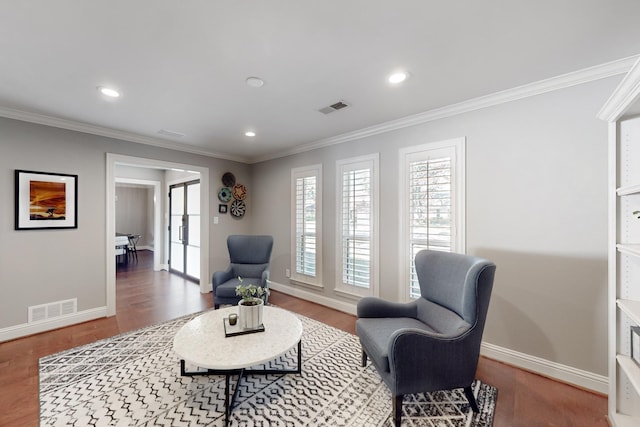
(228, 288)
(249, 270)
(375, 335)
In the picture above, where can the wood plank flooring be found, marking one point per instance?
(145, 297)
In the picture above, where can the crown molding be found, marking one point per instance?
(612, 109)
(627, 92)
(57, 122)
(563, 81)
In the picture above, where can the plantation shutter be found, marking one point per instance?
(305, 251)
(431, 223)
(357, 223)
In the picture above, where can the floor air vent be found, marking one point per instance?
(38, 313)
(334, 107)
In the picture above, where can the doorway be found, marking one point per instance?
(153, 239)
(184, 229)
(117, 159)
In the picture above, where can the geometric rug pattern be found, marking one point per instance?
(133, 379)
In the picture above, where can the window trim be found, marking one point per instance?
(296, 173)
(371, 160)
(458, 241)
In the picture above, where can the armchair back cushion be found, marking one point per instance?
(249, 249)
(448, 280)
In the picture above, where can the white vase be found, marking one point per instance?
(250, 316)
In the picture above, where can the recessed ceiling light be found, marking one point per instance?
(254, 81)
(396, 78)
(250, 133)
(107, 91)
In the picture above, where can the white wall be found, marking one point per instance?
(42, 266)
(536, 200)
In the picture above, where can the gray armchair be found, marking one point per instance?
(432, 343)
(249, 258)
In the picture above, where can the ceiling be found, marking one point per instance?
(181, 66)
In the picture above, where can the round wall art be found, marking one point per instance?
(238, 208)
(239, 192)
(228, 179)
(224, 195)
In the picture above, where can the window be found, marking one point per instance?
(432, 214)
(357, 225)
(306, 247)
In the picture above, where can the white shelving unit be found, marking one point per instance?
(622, 112)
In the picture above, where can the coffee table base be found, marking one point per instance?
(229, 401)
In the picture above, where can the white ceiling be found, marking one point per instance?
(181, 65)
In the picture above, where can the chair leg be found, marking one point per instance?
(397, 409)
(364, 358)
(472, 399)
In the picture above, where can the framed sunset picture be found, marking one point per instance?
(46, 200)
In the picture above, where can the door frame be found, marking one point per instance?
(110, 229)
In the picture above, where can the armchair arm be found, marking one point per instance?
(265, 284)
(219, 277)
(376, 307)
(424, 361)
(265, 278)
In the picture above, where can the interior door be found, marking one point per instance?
(184, 229)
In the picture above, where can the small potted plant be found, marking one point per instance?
(251, 304)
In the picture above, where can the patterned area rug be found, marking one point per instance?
(134, 380)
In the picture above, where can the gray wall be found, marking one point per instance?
(536, 204)
(134, 213)
(41, 266)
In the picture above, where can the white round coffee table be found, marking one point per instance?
(202, 342)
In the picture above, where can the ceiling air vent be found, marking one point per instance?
(334, 107)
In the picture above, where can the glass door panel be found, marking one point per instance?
(193, 237)
(184, 226)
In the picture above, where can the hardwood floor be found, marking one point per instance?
(145, 297)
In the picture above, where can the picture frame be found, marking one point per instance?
(45, 200)
(222, 209)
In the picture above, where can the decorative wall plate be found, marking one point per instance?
(239, 192)
(228, 179)
(238, 208)
(224, 195)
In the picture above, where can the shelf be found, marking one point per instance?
(620, 420)
(631, 308)
(629, 249)
(631, 370)
(628, 190)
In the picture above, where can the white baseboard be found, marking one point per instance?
(25, 329)
(557, 371)
(581, 378)
(345, 307)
